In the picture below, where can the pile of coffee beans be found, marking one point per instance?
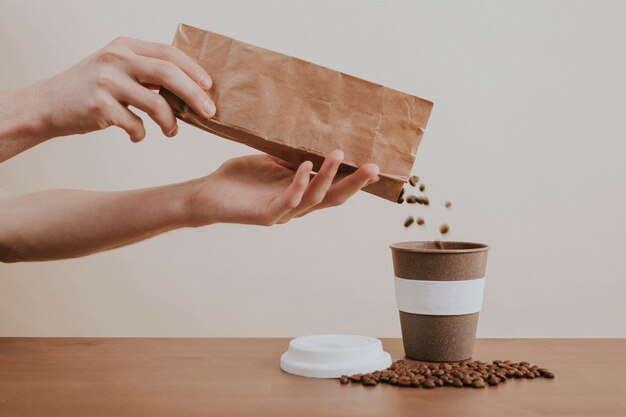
(414, 181)
(474, 374)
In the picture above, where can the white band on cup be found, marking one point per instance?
(439, 298)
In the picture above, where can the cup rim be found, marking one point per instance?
(409, 246)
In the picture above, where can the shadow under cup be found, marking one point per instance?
(439, 294)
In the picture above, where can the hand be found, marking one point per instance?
(96, 93)
(263, 190)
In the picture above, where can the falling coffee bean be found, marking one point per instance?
(412, 199)
(408, 221)
(420, 221)
(422, 187)
(444, 228)
(448, 204)
(413, 180)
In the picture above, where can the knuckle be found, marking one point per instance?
(101, 104)
(166, 51)
(110, 53)
(120, 40)
(155, 103)
(165, 70)
(105, 79)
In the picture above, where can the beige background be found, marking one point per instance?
(527, 138)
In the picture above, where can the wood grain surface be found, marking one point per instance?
(241, 377)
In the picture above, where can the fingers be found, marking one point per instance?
(133, 125)
(345, 188)
(172, 54)
(292, 196)
(158, 72)
(129, 92)
(317, 189)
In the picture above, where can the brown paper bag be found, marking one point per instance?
(298, 111)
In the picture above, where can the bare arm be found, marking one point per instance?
(257, 189)
(55, 224)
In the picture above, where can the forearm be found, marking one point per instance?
(57, 224)
(22, 121)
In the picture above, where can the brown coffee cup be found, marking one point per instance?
(439, 295)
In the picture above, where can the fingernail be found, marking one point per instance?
(209, 108)
(206, 82)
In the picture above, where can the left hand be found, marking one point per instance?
(263, 190)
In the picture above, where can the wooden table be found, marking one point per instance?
(241, 377)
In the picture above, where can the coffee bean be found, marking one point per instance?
(369, 382)
(478, 383)
(412, 199)
(444, 228)
(548, 374)
(422, 187)
(456, 382)
(413, 180)
(420, 221)
(429, 383)
(404, 381)
(344, 379)
(408, 221)
(439, 244)
(448, 204)
(493, 380)
(356, 378)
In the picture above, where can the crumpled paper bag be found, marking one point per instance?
(298, 111)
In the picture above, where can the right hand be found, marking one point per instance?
(95, 93)
(263, 190)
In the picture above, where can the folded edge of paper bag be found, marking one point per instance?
(329, 109)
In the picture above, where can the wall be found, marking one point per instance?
(526, 138)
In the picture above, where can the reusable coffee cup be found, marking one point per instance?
(439, 292)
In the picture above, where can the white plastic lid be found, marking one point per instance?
(333, 355)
